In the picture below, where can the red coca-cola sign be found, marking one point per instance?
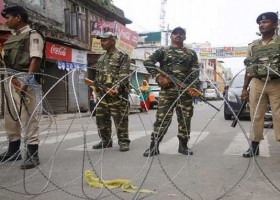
(58, 52)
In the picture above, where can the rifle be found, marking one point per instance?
(101, 87)
(198, 94)
(96, 84)
(242, 107)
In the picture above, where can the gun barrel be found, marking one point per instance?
(239, 113)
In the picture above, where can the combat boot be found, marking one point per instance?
(32, 158)
(183, 148)
(252, 151)
(124, 147)
(13, 152)
(103, 144)
(152, 150)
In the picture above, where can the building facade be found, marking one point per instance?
(67, 26)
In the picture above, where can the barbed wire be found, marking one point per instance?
(46, 171)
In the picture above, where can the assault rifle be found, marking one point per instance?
(198, 94)
(242, 107)
(101, 87)
(96, 84)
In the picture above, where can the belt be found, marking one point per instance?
(268, 78)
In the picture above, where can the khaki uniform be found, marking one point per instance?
(258, 99)
(20, 114)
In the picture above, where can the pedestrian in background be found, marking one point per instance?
(182, 63)
(22, 52)
(113, 74)
(195, 100)
(262, 81)
(144, 98)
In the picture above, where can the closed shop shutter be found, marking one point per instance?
(56, 99)
(81, 90)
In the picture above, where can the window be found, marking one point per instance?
(82, 28)
(70, 19)
(75, 22)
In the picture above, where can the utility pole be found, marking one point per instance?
(167, 35)
(162, 14)
(278, 27)
(162, 21)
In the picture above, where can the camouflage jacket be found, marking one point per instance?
(182, 63)
(113, 69)
(263, 58)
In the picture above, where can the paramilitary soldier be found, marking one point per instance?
(262, 73)
(22, 52)
(113, 74)
(182, 63)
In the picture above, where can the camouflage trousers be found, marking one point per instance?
(117, 109)
(170, 99)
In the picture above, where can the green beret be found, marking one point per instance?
(267, 15)
(13, 10)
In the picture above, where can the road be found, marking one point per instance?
(215, 171)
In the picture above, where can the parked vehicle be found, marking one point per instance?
(154, 95)
(233, 100)
(134, 100)
(133, 97)
(210, 94)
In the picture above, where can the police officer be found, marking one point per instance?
(262, 82)
(22, 52)
(182, 63)
(113, 74)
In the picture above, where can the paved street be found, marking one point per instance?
(215, 171)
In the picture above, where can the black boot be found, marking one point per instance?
(32, 158)
(252, 151)
(183, 147)
(152, 150)
(103, 144)
(13, 152)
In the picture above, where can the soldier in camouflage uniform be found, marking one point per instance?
(262, 76)
(182, 63)
(113, 74)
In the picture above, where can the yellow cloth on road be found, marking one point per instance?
(124, 184)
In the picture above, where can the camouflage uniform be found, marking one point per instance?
(259, 96)
(182, 63)
(113, 69)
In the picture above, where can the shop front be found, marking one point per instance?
(63, 81)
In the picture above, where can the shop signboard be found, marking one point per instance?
(58, 52)
(79, 56)
(221, 52)
(127, 39)
(66, 54)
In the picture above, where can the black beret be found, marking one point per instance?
(13, 10)
(267, 15)
(178, 29)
